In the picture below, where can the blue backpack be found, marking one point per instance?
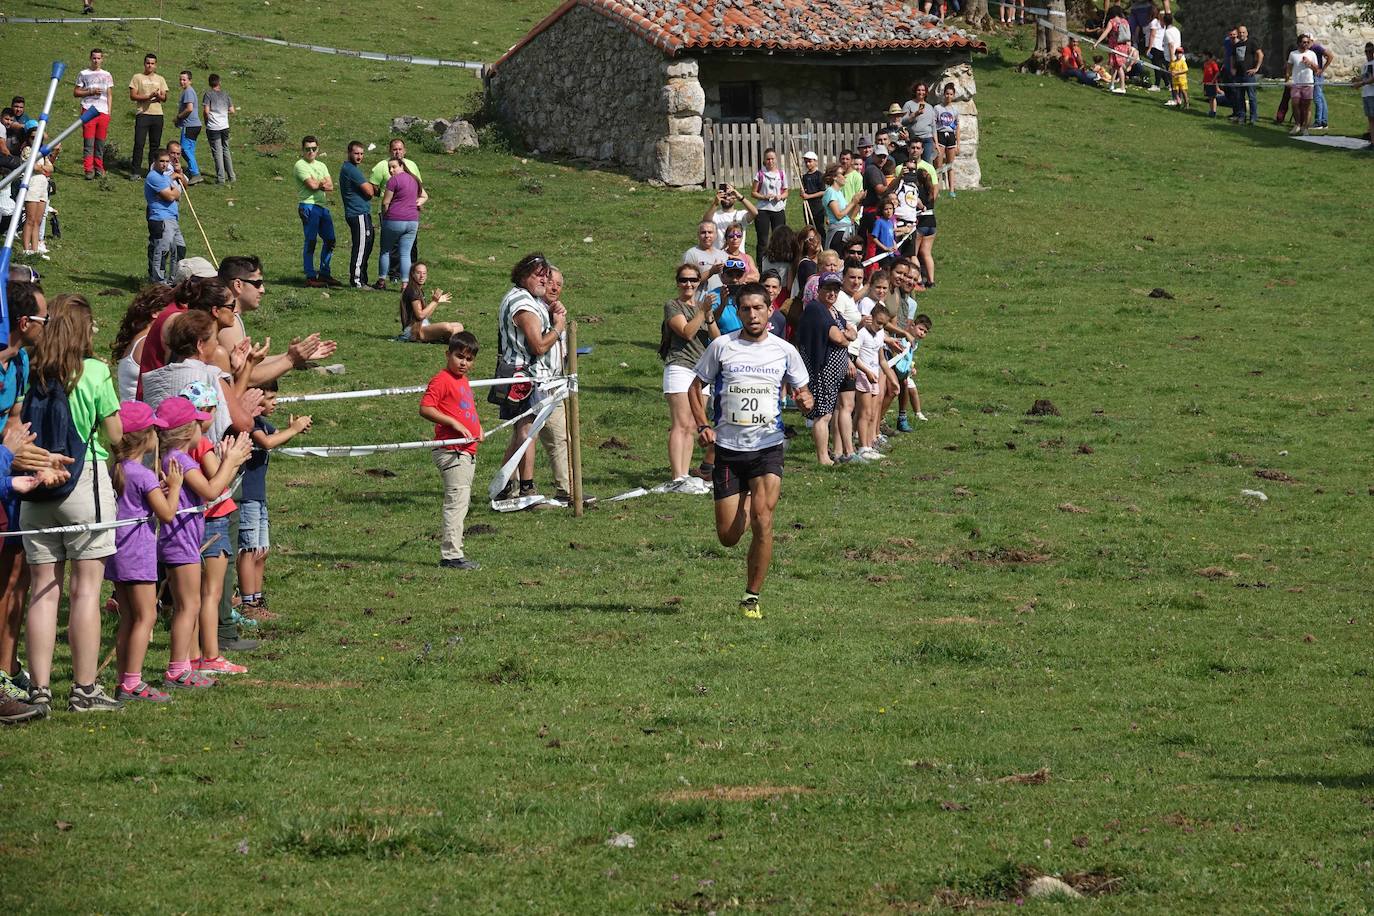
(49, 415)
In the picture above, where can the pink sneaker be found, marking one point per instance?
(187, 680)
(217, 665)
(142, 692)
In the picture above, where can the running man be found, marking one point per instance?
(745, 370)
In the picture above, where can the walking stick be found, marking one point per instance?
(186, 193)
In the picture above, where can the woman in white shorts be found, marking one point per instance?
(36, 206)
(688, 326)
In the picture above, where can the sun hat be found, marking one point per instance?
(830, 278)
(810, 154)
(194, 267)
(894, 109)
(201, 395)
(178, 412)
(862, 142)
(136, 416)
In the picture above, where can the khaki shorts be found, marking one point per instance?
(77, 507)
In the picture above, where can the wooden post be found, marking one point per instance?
(574, 421)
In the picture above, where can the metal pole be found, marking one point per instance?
(89, 114)
(58, 68)
(574, 424)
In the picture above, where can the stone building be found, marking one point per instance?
(628, 82)
(1277, 24)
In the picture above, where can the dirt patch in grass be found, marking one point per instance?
(736, 793)
(1006, 556)
(1216, 572)
(942, 621)
(303, 685)
(1038, 778)
(1274, 475)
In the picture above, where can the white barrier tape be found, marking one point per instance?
(126, 522)
(473, 65)
(412, 389)
(498, 483)
(354, 451)
(895, 245)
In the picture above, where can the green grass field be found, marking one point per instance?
(1088, 593)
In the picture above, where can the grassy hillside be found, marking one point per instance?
(1087, 593)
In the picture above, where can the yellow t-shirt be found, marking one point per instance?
(1178, 69)
(143, 84)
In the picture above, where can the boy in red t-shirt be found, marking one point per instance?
(448, 404)
(1210, 71)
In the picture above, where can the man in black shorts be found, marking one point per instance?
(744, 372)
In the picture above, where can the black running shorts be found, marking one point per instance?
(734, 469)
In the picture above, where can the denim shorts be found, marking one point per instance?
(220, 547)
(1369, 106)
(253, 525)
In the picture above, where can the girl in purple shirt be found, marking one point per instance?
(401, 204)
(178, 543)
(133, 567)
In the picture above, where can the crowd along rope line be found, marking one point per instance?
(473, 65)
(416, 389)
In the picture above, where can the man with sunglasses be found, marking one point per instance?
(312, 184)
(744, 371)
(242, 274)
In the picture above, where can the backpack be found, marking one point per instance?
(1123, 31)
(49, 415)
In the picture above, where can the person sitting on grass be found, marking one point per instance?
(448, 404)
(1099, 70)
(415, 311)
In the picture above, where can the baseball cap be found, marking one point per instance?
(194, 267)
(862, 142)
(810, 154)
(201, 396)
(830, 278)
(136, 416)
(736, 264)
(894, 109)
(178, 412)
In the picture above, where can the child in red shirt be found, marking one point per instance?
(448, 404)
(1210, 71)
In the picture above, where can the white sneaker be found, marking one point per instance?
(869, 454)
(1154, 88)
(697, 486)
(920, 416)
(880, 441)
(1170, 104)
(1118, 91)
(42, 248)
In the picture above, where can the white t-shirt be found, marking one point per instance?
(724, 219)
(770, 184)
(1367, 73)
(908, 201)
(1173, 38)
(703, 261)
(850, 313)
(870, 345)
(1156, 34)
(96, 79)
(1303, 64)
(745, 380)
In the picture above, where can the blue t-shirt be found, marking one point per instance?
(729, 318)
(157, 207)
(351, 179)
(883, 232)
(193, 119)
(255, 468)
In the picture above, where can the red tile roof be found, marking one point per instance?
(786, 25)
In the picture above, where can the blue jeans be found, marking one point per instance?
(1319, 102)
(188, 149)
(318, 224)
(400, 232)
(165, 248)
(1248, 94)
(928, 149)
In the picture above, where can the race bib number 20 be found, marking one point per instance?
(751, 404)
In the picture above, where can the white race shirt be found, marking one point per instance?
(96, 79)
(745, 380)
(1303, 65)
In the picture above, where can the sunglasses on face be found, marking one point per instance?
(689, 279)
(256, 283)
(311, 149)
(734, 235)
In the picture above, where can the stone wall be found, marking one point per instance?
(791, 92)
(1333, 23)
(1336, 24)
(588, 87)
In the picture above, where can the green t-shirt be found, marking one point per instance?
(93, 399)
(380, 174)
(316, 170)
(853, 184)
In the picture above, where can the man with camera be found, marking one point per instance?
(724, 214)
(744, 371)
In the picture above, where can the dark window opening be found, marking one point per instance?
(740, 102)
(849, 79)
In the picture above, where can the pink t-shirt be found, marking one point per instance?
(405, 191)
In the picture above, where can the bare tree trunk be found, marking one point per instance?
(1048, 39)
(977, 16)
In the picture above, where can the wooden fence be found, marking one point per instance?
(734, 152)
